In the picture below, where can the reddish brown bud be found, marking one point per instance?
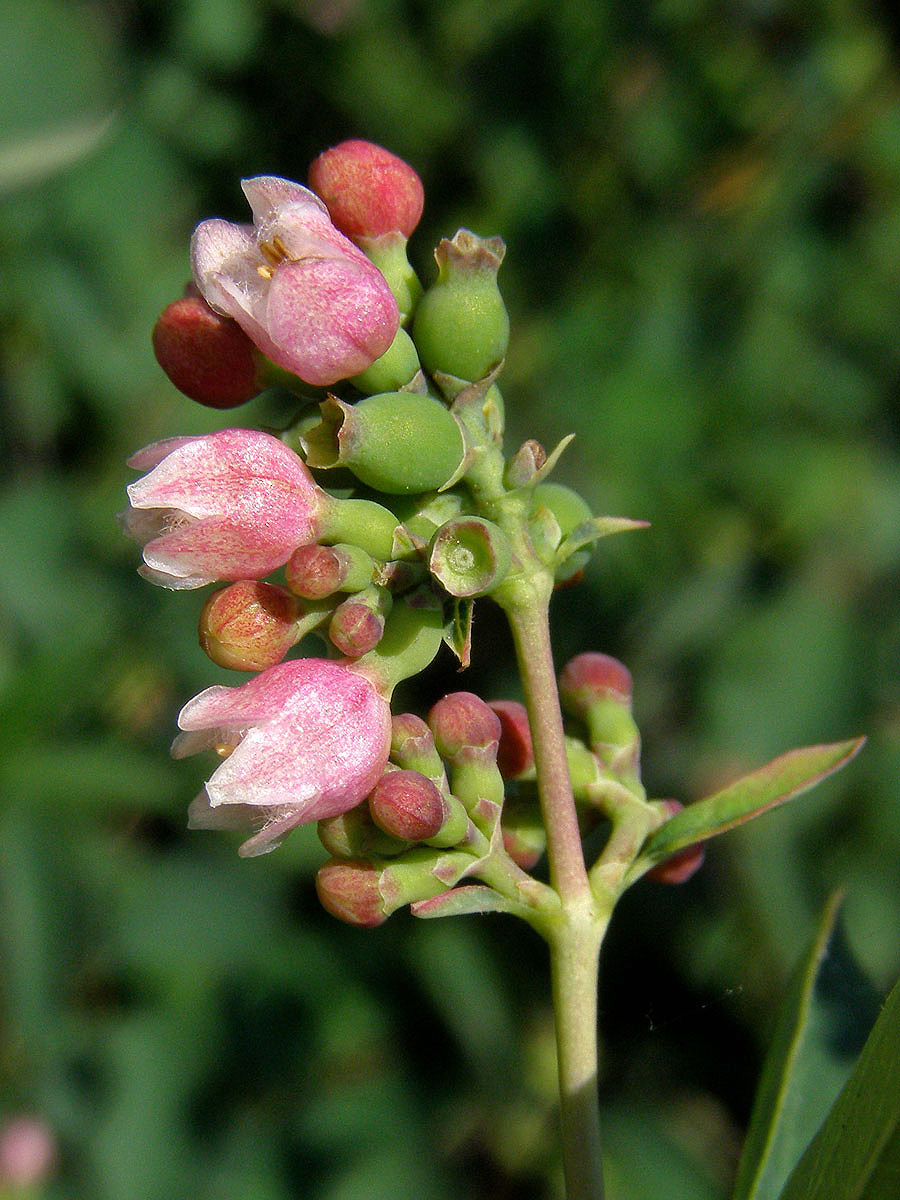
(407, 805)
(316, 572)
(249, 625)
(206, 355)
(683, 864)
(516, 753)
(357, 625)
(348, 889)
(592, 676)
(461, 723)
(367, 190)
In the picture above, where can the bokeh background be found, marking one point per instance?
(701, 202)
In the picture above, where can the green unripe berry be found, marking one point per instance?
(461, 327)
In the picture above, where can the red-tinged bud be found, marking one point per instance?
(464, 728)
(683, 864)
(367, 190)
(349, 890)
(353, 834)
(413, 748)
(408, 805)
(249, 625)
(516, 753)
(590, 677)
(316, 572)
(524, 464)
(524, 837)
(357, 625)
(207, 355)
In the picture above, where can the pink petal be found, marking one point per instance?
(267, 193)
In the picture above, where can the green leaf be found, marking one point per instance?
(785, 777)
(856, 1153)
(472, 898)
(828, 1010)
(594, 529)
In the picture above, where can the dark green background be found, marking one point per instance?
(701, 203)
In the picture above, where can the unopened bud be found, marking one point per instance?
(461, 326)
(515, 755)
(395, 442)
(524, 836)
(413, 748)
(597, 689)
(206, 355)
(684, 863)
(465, 728)
(249, 625)
(316, 572)
(353, 834)
(524, 464)
(408, 805)
(357, 625)
(349, 890)
(367, 190)
(469, 556)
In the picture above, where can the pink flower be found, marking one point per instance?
(307, 296)
(304, 740)
(229, 505)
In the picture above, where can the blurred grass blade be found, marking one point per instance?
(829, 1008)
(856, 1153)
(780, 780)
(32, 159)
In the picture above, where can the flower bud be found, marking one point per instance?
(413, 748)
(469, 556)
(597, 689)
(368, 191)
(207, 355)
(464, 728)
(461, 327)
(357, 625)
(515, 755)
(524, 464)
(395, 442)
(395, 369)
(524, 836)
(353, 834)
(684, 863)
(249, 625)
(316, 572)
(349, 890)
(408, 805)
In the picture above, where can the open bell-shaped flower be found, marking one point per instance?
(304, 293)
(228, 505)
(303, 740)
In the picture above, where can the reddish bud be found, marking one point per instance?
(683, 864)
(462, 724)
(28, 1155)
(516, 753)
(367, 190)
(408, 805)
(357, 625)
(206, 355)
(249, 625)
(348, 889)
(316, 572)
(591, 676)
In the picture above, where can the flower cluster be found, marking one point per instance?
(425, 516)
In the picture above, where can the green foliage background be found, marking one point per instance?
(701, 203)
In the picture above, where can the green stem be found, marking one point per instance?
(575, 936)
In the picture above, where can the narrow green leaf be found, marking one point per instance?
(856, 1153)
(594, 529)
(782, 779)
(826, 1014)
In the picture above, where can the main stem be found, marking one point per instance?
(575, 937)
